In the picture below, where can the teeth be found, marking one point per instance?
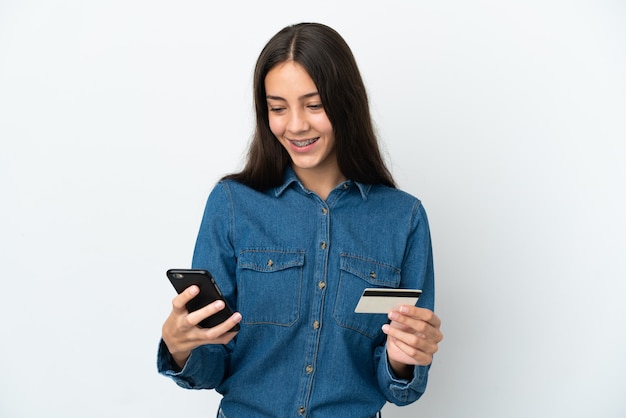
(305, 142)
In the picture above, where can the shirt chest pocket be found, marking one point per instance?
(269, 286)
(356, 274)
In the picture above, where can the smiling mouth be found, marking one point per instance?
(304, 143)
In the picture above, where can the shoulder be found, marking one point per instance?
(397, 196)
(235, 186)
(231, 189)
(397, 203)
(229, 194)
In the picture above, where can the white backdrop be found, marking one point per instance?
(508, 120)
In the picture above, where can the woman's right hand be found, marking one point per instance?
(181, 332)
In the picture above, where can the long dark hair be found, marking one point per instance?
(328, 60)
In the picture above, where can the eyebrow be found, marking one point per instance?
(304, 96)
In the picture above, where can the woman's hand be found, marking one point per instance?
(412, 338)
(181, 333)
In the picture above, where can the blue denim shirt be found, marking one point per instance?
(295, 266)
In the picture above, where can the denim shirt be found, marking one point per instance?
(295, 266)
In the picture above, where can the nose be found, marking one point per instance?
(297, 122)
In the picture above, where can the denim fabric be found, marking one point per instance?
(295, 266)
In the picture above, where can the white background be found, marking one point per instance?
(508, 120)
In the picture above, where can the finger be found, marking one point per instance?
(419, 357)
(420, 322)
(417, 327)
(430, 317)
(212, 308)
(424, 314)
(423, 330)
(223, 333)
(411, 341)
(179, 303)
(192, 336)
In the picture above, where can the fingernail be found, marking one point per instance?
(393, 315)
(194, 290)
(404, 309)
(237, 316)
(219, 304)
(385, 328)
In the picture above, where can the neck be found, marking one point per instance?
(320, 182)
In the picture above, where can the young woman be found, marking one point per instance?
(313, 219)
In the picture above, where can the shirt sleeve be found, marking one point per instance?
(417, 273)
(400, 391)
(204, 369)
(207, 366)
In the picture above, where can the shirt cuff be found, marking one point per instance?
(205, 368)
(402, 390)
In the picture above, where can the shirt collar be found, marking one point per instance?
(290, 178)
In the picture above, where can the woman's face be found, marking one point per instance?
(299, 122)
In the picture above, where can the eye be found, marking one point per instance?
(315, 106)
(276, 109)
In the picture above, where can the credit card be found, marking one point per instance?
(377, 300)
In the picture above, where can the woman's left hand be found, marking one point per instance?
(412, 338)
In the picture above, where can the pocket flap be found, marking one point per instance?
(374, 272)
(270, 260)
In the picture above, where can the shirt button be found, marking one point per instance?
(270, 263)
(323, 245)
(316, 324)
(309, 369)
(321, 285)
(301, 410)
(324, 211)
(345, 186)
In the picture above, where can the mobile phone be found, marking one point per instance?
(181, 279)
